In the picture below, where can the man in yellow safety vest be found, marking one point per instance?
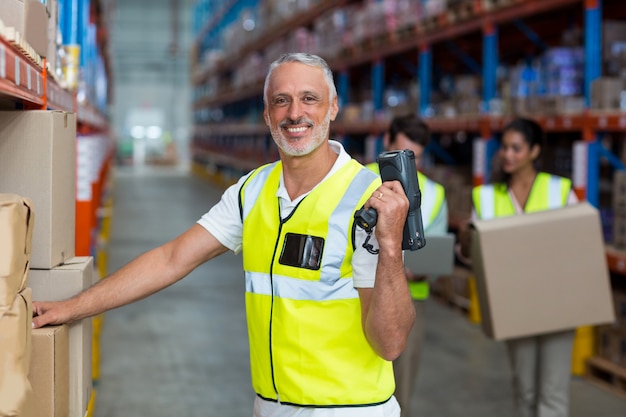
(325, 316)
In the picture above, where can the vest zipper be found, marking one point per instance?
(280, 227)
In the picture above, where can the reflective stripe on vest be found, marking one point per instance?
(307, 345)
(547, 192)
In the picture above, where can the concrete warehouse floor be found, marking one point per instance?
(184, 352)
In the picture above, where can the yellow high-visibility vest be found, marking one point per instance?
(307, 345)
(547, 192)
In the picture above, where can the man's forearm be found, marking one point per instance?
(138, 279)
(390, 312)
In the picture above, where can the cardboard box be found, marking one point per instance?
(49, 371)
(57, 284)
(36, 26)
(541, 272)
(38, 161)
(606, 92)
(12, 14)
(16, 229)
(15, 348)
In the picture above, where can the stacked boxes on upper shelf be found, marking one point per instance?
(609, 91)
(38, 162)
(27, 24)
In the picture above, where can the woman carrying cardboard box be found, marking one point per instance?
(541, 364)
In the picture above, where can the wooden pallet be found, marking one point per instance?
(606, 374)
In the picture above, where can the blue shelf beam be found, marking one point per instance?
(593, 70)
(490, 63)
(593, 45)
(343, 87)
(425, 79)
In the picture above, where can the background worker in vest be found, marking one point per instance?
(541, 365)
(410, 132)
(338, 314)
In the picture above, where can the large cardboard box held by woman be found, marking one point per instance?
(541, 272)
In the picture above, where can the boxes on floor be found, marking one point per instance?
(38, 160)
(57, 284)
(541, 272)
(49, 371)
(15, 348)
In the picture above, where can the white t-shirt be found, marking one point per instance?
(264, 408)
(223, 222)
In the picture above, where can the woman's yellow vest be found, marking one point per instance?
(433, 197)
(547, 192)
(307, 345)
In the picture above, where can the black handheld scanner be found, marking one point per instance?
(400, 166)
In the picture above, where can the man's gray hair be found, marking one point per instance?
(306, 59)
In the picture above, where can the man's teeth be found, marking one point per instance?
(296, 129)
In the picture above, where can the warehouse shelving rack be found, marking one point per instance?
(472, 34)
(481, 23)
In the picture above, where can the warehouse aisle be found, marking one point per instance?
(183, 351)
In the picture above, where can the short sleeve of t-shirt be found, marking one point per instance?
(224, 221)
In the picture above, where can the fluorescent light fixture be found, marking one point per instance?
(138, 132)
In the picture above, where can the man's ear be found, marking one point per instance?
(334, 109)
(386, 140)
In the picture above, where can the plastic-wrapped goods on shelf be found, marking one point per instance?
(70, 64)
(330, 30)
(607, 93)
(614, 47)
(16, 228)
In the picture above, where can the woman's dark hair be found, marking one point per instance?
(412, 126)
(533, 135)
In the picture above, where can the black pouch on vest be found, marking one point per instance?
(302, 251)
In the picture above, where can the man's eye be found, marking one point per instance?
(309, 99)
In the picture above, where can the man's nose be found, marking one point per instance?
(295, 110)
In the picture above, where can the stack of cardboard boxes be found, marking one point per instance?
(38, 162)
